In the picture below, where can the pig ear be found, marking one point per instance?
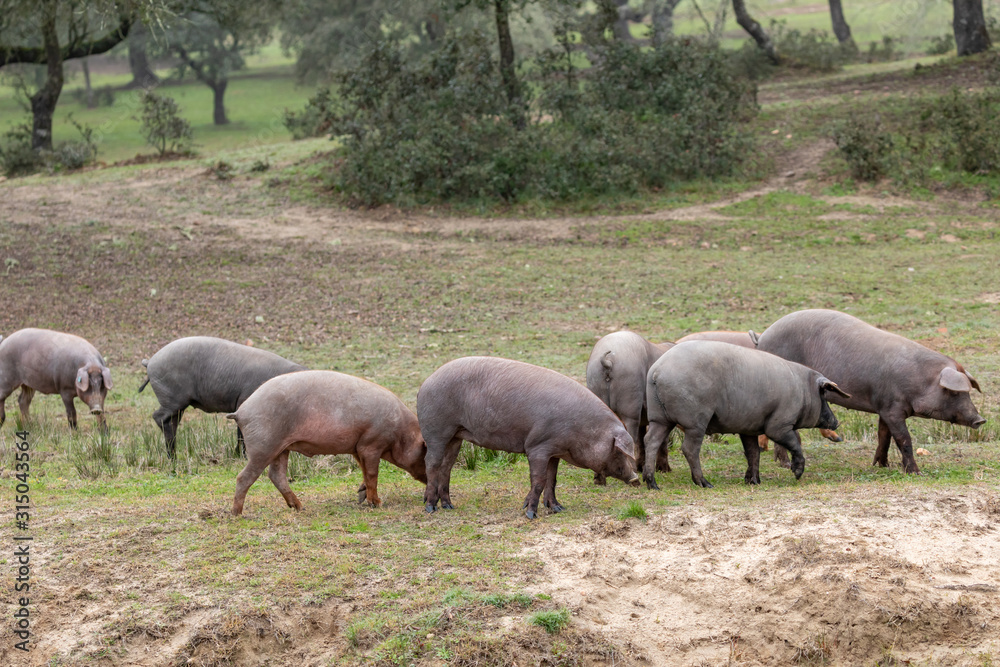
(972, 381)
(106, 374)
(827, 385)
(82, 379)
(624, 443)
(754, 337)
(952, 380)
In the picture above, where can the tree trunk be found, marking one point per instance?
(507, 72)
(219, 110)
(755, 30)
(43, 102)
(86, 81)
(840, 27)
(971, 35)
(663, 20)
(620, 26)
(143, 75)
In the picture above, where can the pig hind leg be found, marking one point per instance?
(277, 472)
(655, 440)
(168, 419)
(538, 468)
(253, 469)
(751, 448)
(549, 495)
(439, 460)
(369, 461)
(692, 452)
(24, 401)
(895, 428)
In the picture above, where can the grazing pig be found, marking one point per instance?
(749, 340)
(741, 338)
(210, 374)
(325, 412)
(53, 362)
(512, 406)
(710, 387)
(616, 373)
(886, 374)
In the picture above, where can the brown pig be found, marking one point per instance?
(325, 412)
(884, 373)
(52, 362)
(512, 406)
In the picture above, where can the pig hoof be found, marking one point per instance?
(751, 479)
(445, 505)
(531, 514)
(705, 484)
(556, 508)
(430, 509)
(652, 485)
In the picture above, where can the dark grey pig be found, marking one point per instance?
(512, 406)
(53, 362)
(210, 374)
(741, 338)
(325, 412)
(710, 387)
(886, 374)
(616, 373)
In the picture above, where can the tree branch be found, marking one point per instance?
(37, 55)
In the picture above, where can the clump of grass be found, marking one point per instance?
(368, 631)
(553, 621)
(472, 456)
(502, 600)
(94, 456)
(634, 510)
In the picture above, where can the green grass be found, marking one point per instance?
(553, 622)
(633, 510)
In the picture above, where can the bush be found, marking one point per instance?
(941, 45)
(314, 120)
(162, 126)
(883, 51)
(970, 128)
(442, 129)
(866, 145)
(18, 158)
(814, 49)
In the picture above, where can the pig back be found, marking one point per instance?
(501, 403)
(45, 360)
(212, 374)
(877, 368)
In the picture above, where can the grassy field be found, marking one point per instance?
(137, 560)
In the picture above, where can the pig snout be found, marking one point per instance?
(96, 409)
(976, 423)
(634, 480)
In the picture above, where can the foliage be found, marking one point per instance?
(18, 158)
(633, 510)
(941, 44)
(441, 129)
(162, 125)
(814, 49)
(883, 51)
(314, 119)
(970, 128)
(866, 145)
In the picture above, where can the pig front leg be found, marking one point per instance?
(24, 401)
(692, 452)
(550, 487)
(751, 448)
(791, 442)
(277, 472)
(369, 461)
(67, 398)
(894, 427)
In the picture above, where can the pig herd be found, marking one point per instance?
(758, 387)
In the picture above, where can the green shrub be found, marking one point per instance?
(883, 51)
(162, 125)
(18, 158)
(314, 120)
(970, 128)
(941, 44)
(815, 49)
(442, 128)
(866, 145)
